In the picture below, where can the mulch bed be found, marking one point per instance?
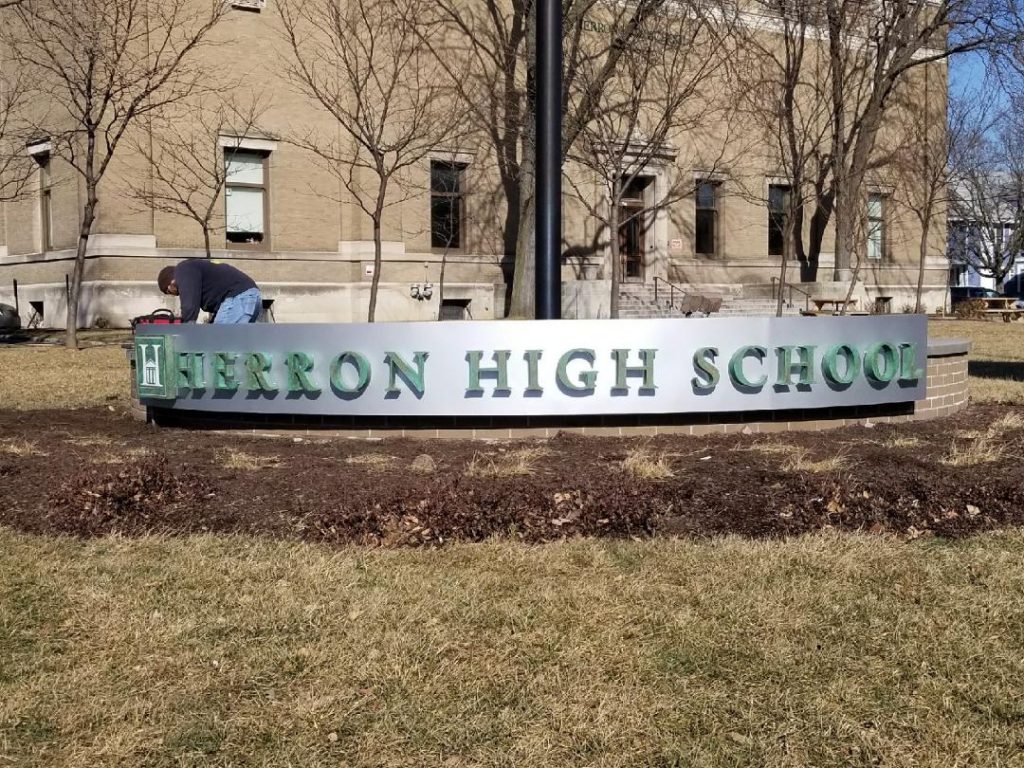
(95, 472)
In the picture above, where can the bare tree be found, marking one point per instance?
(186, 155)
(488, 53)
(987, 195)
(15, 166)
(920, 166)
(104, 64)
(661, 91)
(780, 83)
(364, 63)
(871, 49)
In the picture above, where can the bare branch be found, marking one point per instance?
(102, 65)
(364, 63)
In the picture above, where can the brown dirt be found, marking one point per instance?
(94, 472)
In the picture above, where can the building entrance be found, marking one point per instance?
(633, 230)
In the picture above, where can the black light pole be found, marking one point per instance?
(549, 156)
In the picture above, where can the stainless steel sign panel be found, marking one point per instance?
(532, 368)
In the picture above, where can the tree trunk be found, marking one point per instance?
(524, 289)
(524, 281)
(510, 235)
(206, 241)
(376, 269)
(854, 274)
(925, 225)
(88, 217)
(787, 247)
(845, 216)
(613, 227)
(440, 284)
(819, 222)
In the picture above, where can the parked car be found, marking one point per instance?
(960, 293)
(1014, 287)
(10, 320)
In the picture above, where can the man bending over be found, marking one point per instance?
(226, 292)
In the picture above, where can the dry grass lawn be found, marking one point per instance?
(822, 651)
(997, 358)
(34, 377)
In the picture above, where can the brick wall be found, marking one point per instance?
(947, 387)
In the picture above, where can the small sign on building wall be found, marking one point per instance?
(367, 270)
(675, 247)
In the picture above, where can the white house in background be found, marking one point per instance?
(986, 230)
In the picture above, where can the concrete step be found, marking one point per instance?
(638, 300)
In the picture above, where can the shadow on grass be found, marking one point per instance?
(19, 337)
(996, 369)
(55, 337)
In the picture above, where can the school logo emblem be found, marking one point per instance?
(154, 369)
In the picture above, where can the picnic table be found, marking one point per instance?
(999, 302)
(1002, 306)
(835, 305)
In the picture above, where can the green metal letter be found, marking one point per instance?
(587, 379)
(707, 372)
(830, 364)
(224, 371)
(299, 365)
(908, 363)
(500, 371)
(736, 373)
(532, 356)
(804, 368)
(257, 365)
(622, 370)
(190, 371)
(890, 365)
(398, 366)
(362, 366)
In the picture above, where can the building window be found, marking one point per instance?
(245, 198)
(455, 309)
(876, 226)
(778, 207)
(707, 218)
(447, 204)
(45, 204)
(250, 5)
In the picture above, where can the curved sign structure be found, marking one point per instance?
(535, 368)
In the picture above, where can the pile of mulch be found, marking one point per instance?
(892, 480)
(143, 496)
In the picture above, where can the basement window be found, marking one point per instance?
(455, 309)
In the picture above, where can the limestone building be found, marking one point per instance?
(284, 216)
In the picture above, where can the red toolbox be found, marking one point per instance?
(157, 317)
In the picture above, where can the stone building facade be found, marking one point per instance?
(287, 221)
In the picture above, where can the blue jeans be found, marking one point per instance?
(243, 308)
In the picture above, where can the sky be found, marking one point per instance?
(970, 76)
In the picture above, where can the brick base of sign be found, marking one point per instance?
(946, 394)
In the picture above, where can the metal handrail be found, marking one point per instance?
(807, 296)
(672, 288)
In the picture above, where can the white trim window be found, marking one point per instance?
(246, 206)
(876, 226)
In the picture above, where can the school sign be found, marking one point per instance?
(534, 368)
